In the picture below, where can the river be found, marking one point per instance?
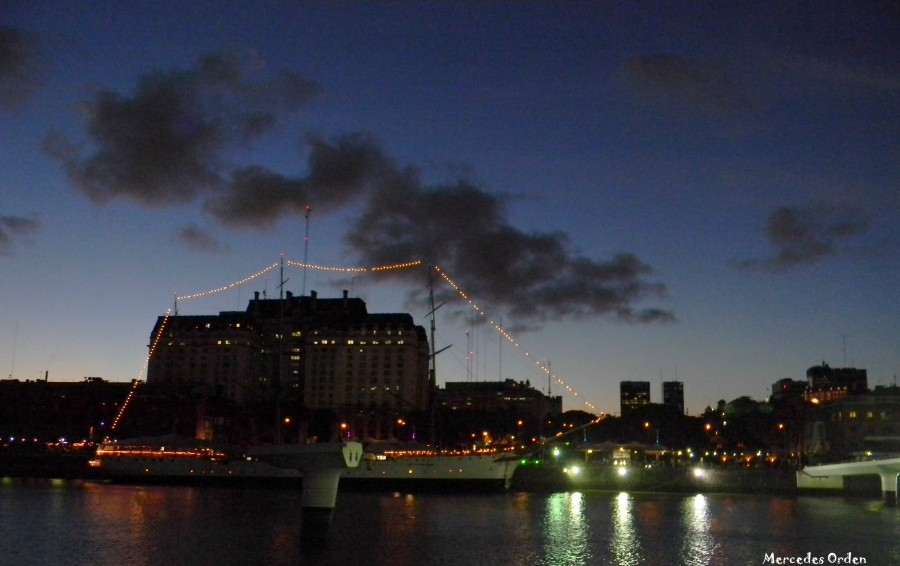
(81, 522)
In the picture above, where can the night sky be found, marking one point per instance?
(702, 192)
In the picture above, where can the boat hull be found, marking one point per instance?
(465, 472)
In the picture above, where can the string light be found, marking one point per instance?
(138, 381)
(229, 286)
(397, 266)
(509, 338)
(131, 392)
(290, 263)
(354, 269)
(325, 268)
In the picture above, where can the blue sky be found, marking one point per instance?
(705, 192)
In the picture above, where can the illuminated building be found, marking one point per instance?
(826, 384)
(868, 422)
(321, 353)
(633, 395)
(673, 395)
(825, 377)
(516, 397)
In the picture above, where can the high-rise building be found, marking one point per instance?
(321, 353)
(673, 395)
(823, 377)
(633, 395)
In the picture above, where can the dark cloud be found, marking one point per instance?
(804, 236)
(12, 227)
(200, 240)
(700, 86)
(256, 197)
(18, 67)
(165, 143)
(534, 277)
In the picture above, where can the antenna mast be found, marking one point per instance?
(12, 370)
(283, 280)
(305, 250)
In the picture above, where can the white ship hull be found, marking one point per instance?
(163, 463)
(189, 465)
(432, 469)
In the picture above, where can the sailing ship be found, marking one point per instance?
(183, 459)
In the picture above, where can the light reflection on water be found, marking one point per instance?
(625, 545)
(566, 533)
(699, 543)
(84, 523)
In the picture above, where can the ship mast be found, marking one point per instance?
(432, 372)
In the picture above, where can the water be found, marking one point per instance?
(59, 522)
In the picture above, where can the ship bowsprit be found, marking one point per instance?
(321, 466)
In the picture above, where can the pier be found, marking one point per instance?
(887, 469)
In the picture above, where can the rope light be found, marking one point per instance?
(397, 266)
(325, 267)
(509, 338)
(290, 263)
(229, 286)
(138, 381)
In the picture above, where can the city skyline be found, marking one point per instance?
(692, 193)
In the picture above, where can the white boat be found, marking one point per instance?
(175, 459)
(432, 468)
(179, 459)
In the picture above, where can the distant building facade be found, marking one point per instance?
(788, 389)
(633, 395)
(511, 396)
(43, 410)
(673, 395)
(321, 353)
(861, 423)
(826, 384)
